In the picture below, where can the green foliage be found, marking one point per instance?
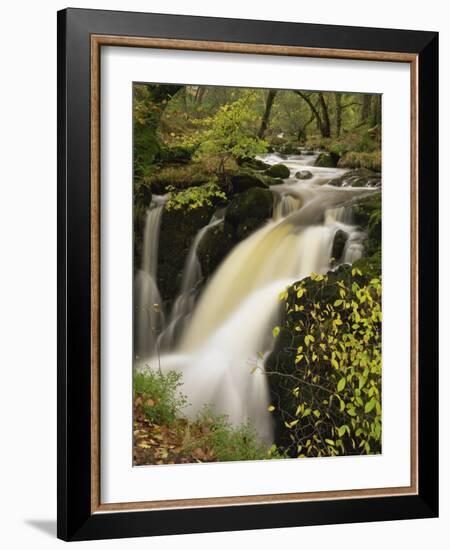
(230, 133)
(230, 442)
(332, 399)
(208, 437)
(191, 198)
(354, 159)
(161, 396)
(149, 102)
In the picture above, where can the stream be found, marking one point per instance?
(217, 334)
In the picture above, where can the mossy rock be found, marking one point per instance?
(276, 142)
(253, 164)
(175, 155)
(367, 214)
(244, 180)
(356, 159)
(214, 246)
(278, 171)
(289, 148)
(178, 229)
(248, 211)
(360, 177)
(327, 160)
(303, 175)
(269, 180)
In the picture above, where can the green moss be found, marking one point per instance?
(327, 160)
(248, 211)
(278, 171)
(354, 159)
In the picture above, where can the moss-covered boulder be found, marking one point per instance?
(248, 211)
(356, 159)
(246, 179)
(289, 148)
(175, 155)
(253, 164)
(327, 160)
(278, 171)
(177, 176)
(367, 214)
(360, 177)
(303, 175)
(214, 246)
(178, 229)
(269, 180)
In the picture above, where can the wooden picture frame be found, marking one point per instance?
(81, 35)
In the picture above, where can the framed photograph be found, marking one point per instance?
(247, 255)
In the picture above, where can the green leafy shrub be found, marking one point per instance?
(328, 382)
(229, 442)
(162, 400)
(230, 133)
(191, 198)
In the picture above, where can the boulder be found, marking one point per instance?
(340, 238)
(214, 246)
(248, 211)
(327, 160)
(253, 164)
(367, 214)
(278, 171)
(178, 229)
(303, 175)
(242, 181)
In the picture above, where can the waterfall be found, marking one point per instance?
(192, 278)
(218, 332)
(148, 314)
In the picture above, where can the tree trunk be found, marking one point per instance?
(321, 124)
(365, 108)
(375, 115)
(265, 119)
(325, 126)
(338, 100)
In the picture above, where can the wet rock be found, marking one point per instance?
(178, 230)
(360, 177)
(303, 175)
(254, 164)
(340, 238)
(278, 171)
(327, 160)
(242, 181)
(367, 214)
(248, 211)
(214, 246)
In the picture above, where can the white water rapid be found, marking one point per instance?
(225, 328)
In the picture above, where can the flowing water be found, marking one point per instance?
(218, 334)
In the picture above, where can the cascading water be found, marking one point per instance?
(230, 323)
(192, 278)
(148, 315)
